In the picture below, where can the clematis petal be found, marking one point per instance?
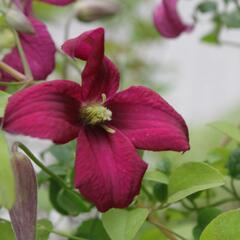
(148, 120)
(59, 2)
(108, 171)
(167, 20)
(99, 75)
(48, 110)
(40, 53)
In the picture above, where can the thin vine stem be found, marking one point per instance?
(227, 200)
(23, 57)
(67, 28)
(42, 166)
(234, 190)
(61, 182)
(11, 71)
(186, 206)
(167, 232)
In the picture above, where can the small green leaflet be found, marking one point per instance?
(3, 102)
(192, 177)
(122, 224)
(7, 182)
(224, 227)
(228, 129)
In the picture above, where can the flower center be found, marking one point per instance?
(95, 114)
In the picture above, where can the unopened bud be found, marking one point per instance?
(92, 10)
(24, 212)
(16, 19)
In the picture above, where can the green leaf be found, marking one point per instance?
(207, 6)
(212, 37)
(234, 164)
(152, 233)
(160, 191)
(6, 231)
(72, 203)
(206, 215)
(92, 229)
(192, 177)
(64, 154)
(7, 182)
(44, 228)
(54, 189)
(232, 19)
(156, 176)
(224, 227)
(228, 129)
(123, 224)
(3, 102)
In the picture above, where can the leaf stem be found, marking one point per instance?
(148, 194)
(234, 190)
(61, 182)
(66, 36)
(171, 235)
(25, 64)
(42, 166)
(11, 71)
(186, 206)
(223, 202)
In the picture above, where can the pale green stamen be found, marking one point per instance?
(95, 114)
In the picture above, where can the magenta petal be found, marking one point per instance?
(148, 120)
(24, 5)
(40, 52)
(108, 172)
(59, 2)
(167, 20)
(48, 110)
(99, 75)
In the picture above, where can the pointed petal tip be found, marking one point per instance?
(167, 20)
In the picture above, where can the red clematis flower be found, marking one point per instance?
(108, 125)
(167, 20)
(39, 47)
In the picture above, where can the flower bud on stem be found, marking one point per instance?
(92, 10)
(24, 212)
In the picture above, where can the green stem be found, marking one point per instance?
(235, 193)
(61, 182)
(208, 197)
(186, 206)
(66, 235)
(223, 202)
(11, 71)
(42, 166)
(167, 232)
(195, 207)
(69, 60)
(25, 64)
(11, 83)
(148, 194)
(227, 190)
(66, 36)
